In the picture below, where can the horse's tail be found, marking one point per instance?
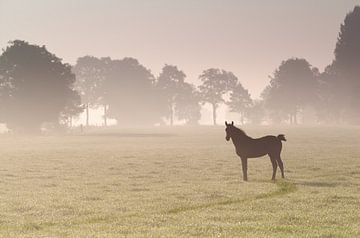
(281, 137)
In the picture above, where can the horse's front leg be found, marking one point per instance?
(244, 168)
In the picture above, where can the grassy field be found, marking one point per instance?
(179, 182)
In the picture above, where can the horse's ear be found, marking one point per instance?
(226, 123)
(232, 123)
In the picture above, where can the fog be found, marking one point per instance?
(136, 63)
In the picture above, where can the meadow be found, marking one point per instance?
(179, 182)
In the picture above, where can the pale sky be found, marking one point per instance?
(249, 38)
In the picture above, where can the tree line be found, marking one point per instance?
(332, 94)
(37, 89)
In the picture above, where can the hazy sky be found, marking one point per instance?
(249, 38)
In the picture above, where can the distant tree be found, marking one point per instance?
(256, 112)
(293, 86)
(215, 84)
(73, 107)
(131, 93)
(347, 64)
(240, 101)
(270, 100)
(90, 76)
(35, 86)
(187, 105)
(333, 97)
(170, 84)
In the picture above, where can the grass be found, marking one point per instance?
(283, 188)
(171, 182)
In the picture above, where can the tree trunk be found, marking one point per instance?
(171, 115)
(87, 114)
(214, 113)
(105, 117)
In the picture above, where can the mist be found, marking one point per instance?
(131, 63)
(192, 118)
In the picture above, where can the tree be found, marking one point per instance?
(347, 64)
(333, 97)
(131, 93)
(35, 87)
(90, 75)
(170, 84)
(73, 107)
(187, 105)
(293, 86)
(240, 100)
(215, 84)
(256, 112)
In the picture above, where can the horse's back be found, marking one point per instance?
(273, 144)
(269, 144)
(270, 139)
(248, 147)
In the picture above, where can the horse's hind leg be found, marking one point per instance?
(274, 165)
(281, 165)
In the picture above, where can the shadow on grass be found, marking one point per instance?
(283, 188)
(318, 184)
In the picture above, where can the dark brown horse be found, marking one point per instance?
(247, 147)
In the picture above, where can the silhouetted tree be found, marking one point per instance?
(240, 101)
(332, 95)
(35, 86)
(292, 87)
(215, 84)
(131, 93)
(187, 105)
(72, 108)
(256, 112)
(170, 84)
(347, 64)
(90, 75)
(273, 112)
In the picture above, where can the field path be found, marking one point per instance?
(283, 187)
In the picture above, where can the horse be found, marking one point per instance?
(247, 147)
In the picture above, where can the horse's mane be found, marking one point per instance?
(241, 132)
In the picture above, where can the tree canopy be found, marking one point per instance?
(131, 94)
(346, 65)
(90, 76)
(215, 84)
(187, 105)
(240, 100)
(170, 85)
(35, 86)
(293, 86)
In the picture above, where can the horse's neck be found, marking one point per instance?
(238, 140)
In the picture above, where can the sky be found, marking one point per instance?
(248, 37)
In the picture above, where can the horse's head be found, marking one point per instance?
(229, 130)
